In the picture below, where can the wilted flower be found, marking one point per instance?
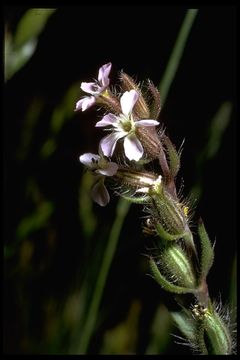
(94, 88)
(124, 126)
(101, 167)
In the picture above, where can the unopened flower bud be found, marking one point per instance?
(177, 265)
(150, 141)
(214, 333)
(109, 102)
(136, 180)
(169, 216)
(156, 103)
(141, 109)
(173, 270)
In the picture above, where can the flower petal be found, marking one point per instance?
(109, 119)
(132, 147)
(146, 122)
(88, 160)
(128, 101)
(85, 103)
(100, 194)
(90, 87)
(103, 74)
(108, 143)
(110, 169)
(79, 104)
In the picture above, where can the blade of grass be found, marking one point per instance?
(176, 54)
(123, 207)
(121, 212)
(216, 131)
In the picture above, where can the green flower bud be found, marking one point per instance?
(169, 215)
(177, 265)
(174, 271)
(214, 335)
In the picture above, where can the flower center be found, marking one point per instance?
(105, 93)
(127, 124)
(95, 164)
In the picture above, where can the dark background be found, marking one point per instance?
(74, 44)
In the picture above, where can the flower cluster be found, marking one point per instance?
(122, 125)
(138, 160)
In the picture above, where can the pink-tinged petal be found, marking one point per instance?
(79, 104)
(133, 148)
(103, 74)
(128, 101)
(110, 169)
(100, 151)
(87, 102)
(108, 143)
(90, 87)
(146, 123)
(88, 160)
(100, 194)
(109, 119)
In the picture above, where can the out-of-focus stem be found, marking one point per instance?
(121, 212)
(176, 54)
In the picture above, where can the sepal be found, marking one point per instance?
(207, 253)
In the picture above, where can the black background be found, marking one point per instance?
(138, 39)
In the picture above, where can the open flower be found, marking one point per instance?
(94, 88)
(101, 167)
(124, 126)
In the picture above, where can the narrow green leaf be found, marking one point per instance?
(173, 156)
(31, 24)
(36, 220)
(63, 111)
(48, 148)
(176, 54)
(88, 328)
(30, 121)
(61, 114)
(86, 213)
(20, 47)
(185, 324)
(207, 253)
(217, 128)
(160, 331)
(15, 59)
(215, 132)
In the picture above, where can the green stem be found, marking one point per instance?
(176, 54)
(121, 212)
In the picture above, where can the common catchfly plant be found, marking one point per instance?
(135, 143)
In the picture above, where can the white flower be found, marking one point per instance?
(124, 126)
(101, 167)
(94, 88)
